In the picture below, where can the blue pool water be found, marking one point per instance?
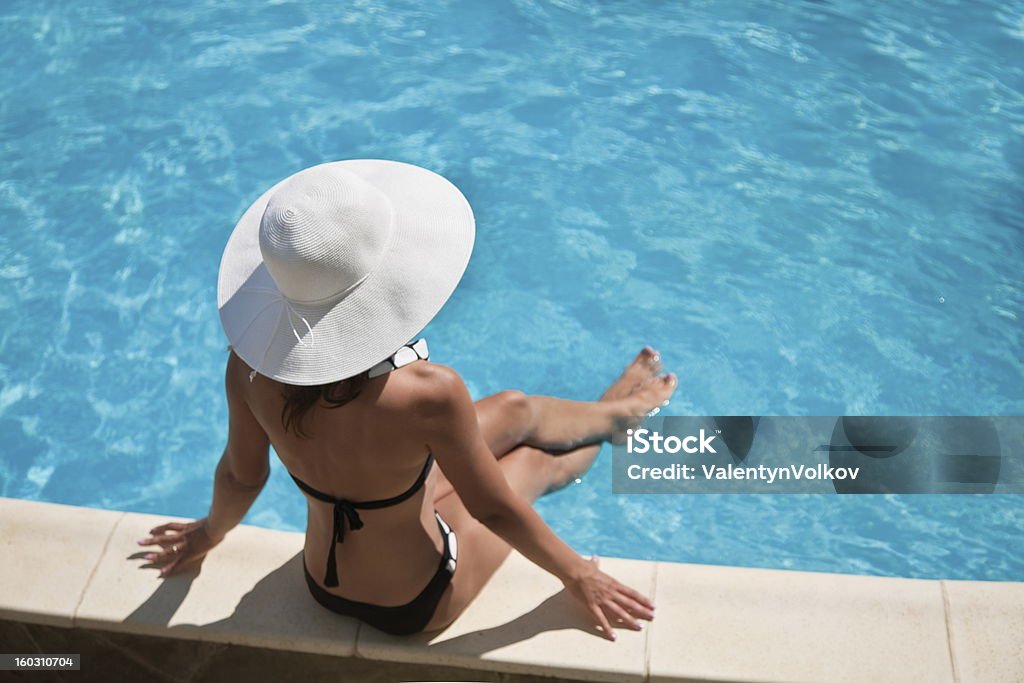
(809, 208)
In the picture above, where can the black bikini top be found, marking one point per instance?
(346, 509)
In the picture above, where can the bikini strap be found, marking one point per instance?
(345, 509)
(404, 495)
(417, 350)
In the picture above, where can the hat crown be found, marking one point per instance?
(323, 232)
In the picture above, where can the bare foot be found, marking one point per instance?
(639, 378)
(644, 367)
(651, 395)
(647, 364)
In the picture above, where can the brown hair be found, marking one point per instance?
(299, 399)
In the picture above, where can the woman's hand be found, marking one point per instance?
(184, 545)
(607, 600)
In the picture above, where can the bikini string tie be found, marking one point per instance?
(343, 510)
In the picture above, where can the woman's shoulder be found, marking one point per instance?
(429, 389)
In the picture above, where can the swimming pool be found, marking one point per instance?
(809, 208)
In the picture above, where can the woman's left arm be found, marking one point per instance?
(239, 477)
(245, 465)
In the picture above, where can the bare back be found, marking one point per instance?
(368, 449)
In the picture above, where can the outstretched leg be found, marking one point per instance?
(512, 418)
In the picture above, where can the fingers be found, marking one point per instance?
(171, 561)
(164, 559)
(622, 603)
(171, 550)
(180, 548)
(633, 607)
(172, 567)
(596, 609)
(161, 536)
(637, 596)
(602, 621)
(631, 595)
(622, 615)
(166, 540)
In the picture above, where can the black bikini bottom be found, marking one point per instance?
(397, 620)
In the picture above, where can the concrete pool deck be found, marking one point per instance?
(66, 566)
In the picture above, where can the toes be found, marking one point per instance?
(637, 374)
(646, 364)
(649, 358)
(646, 355)
(660, 384)
(669, 382)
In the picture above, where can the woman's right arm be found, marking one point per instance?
(455, 439)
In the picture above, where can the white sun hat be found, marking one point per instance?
(336, 267)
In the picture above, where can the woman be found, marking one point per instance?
(323, 278)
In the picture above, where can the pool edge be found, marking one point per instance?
(713, 623)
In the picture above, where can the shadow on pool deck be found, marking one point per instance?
(558, 612)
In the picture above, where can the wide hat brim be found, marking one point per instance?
(306, 344)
